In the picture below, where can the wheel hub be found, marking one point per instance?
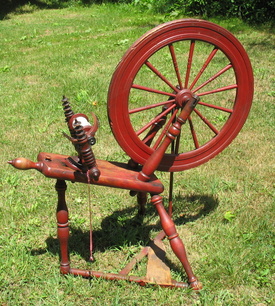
(183, 96)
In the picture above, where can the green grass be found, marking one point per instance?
(224, 209)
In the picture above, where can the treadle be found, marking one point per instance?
(157, 270)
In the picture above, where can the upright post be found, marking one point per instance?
(154, 160)
(176, 243)
(62, 217)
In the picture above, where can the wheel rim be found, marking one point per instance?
(192, 55)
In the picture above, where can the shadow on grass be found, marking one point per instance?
(125, 227)
(11, 6)
(190, 208)
(17, 6)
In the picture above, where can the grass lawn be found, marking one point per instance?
(224, 209)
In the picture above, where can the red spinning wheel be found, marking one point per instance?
(185, 71)
(183, 56)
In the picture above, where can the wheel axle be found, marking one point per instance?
(184, 95)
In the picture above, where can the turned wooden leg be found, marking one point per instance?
(62, 226)
(142, 200)
(176, 243)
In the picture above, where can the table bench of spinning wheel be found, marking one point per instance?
(185, 71)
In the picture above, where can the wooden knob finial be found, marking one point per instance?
(23, 163)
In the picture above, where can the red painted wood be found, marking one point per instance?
(23, 163)
(62, 217)
(172, 110)
(141, 200)
(112, 276)
(165, 38)
(113, 174)
(175, 242)
(188, 102)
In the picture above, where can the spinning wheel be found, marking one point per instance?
(185, 71)
(147, 87)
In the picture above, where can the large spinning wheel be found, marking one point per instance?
(186, 71)
(147, 89)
